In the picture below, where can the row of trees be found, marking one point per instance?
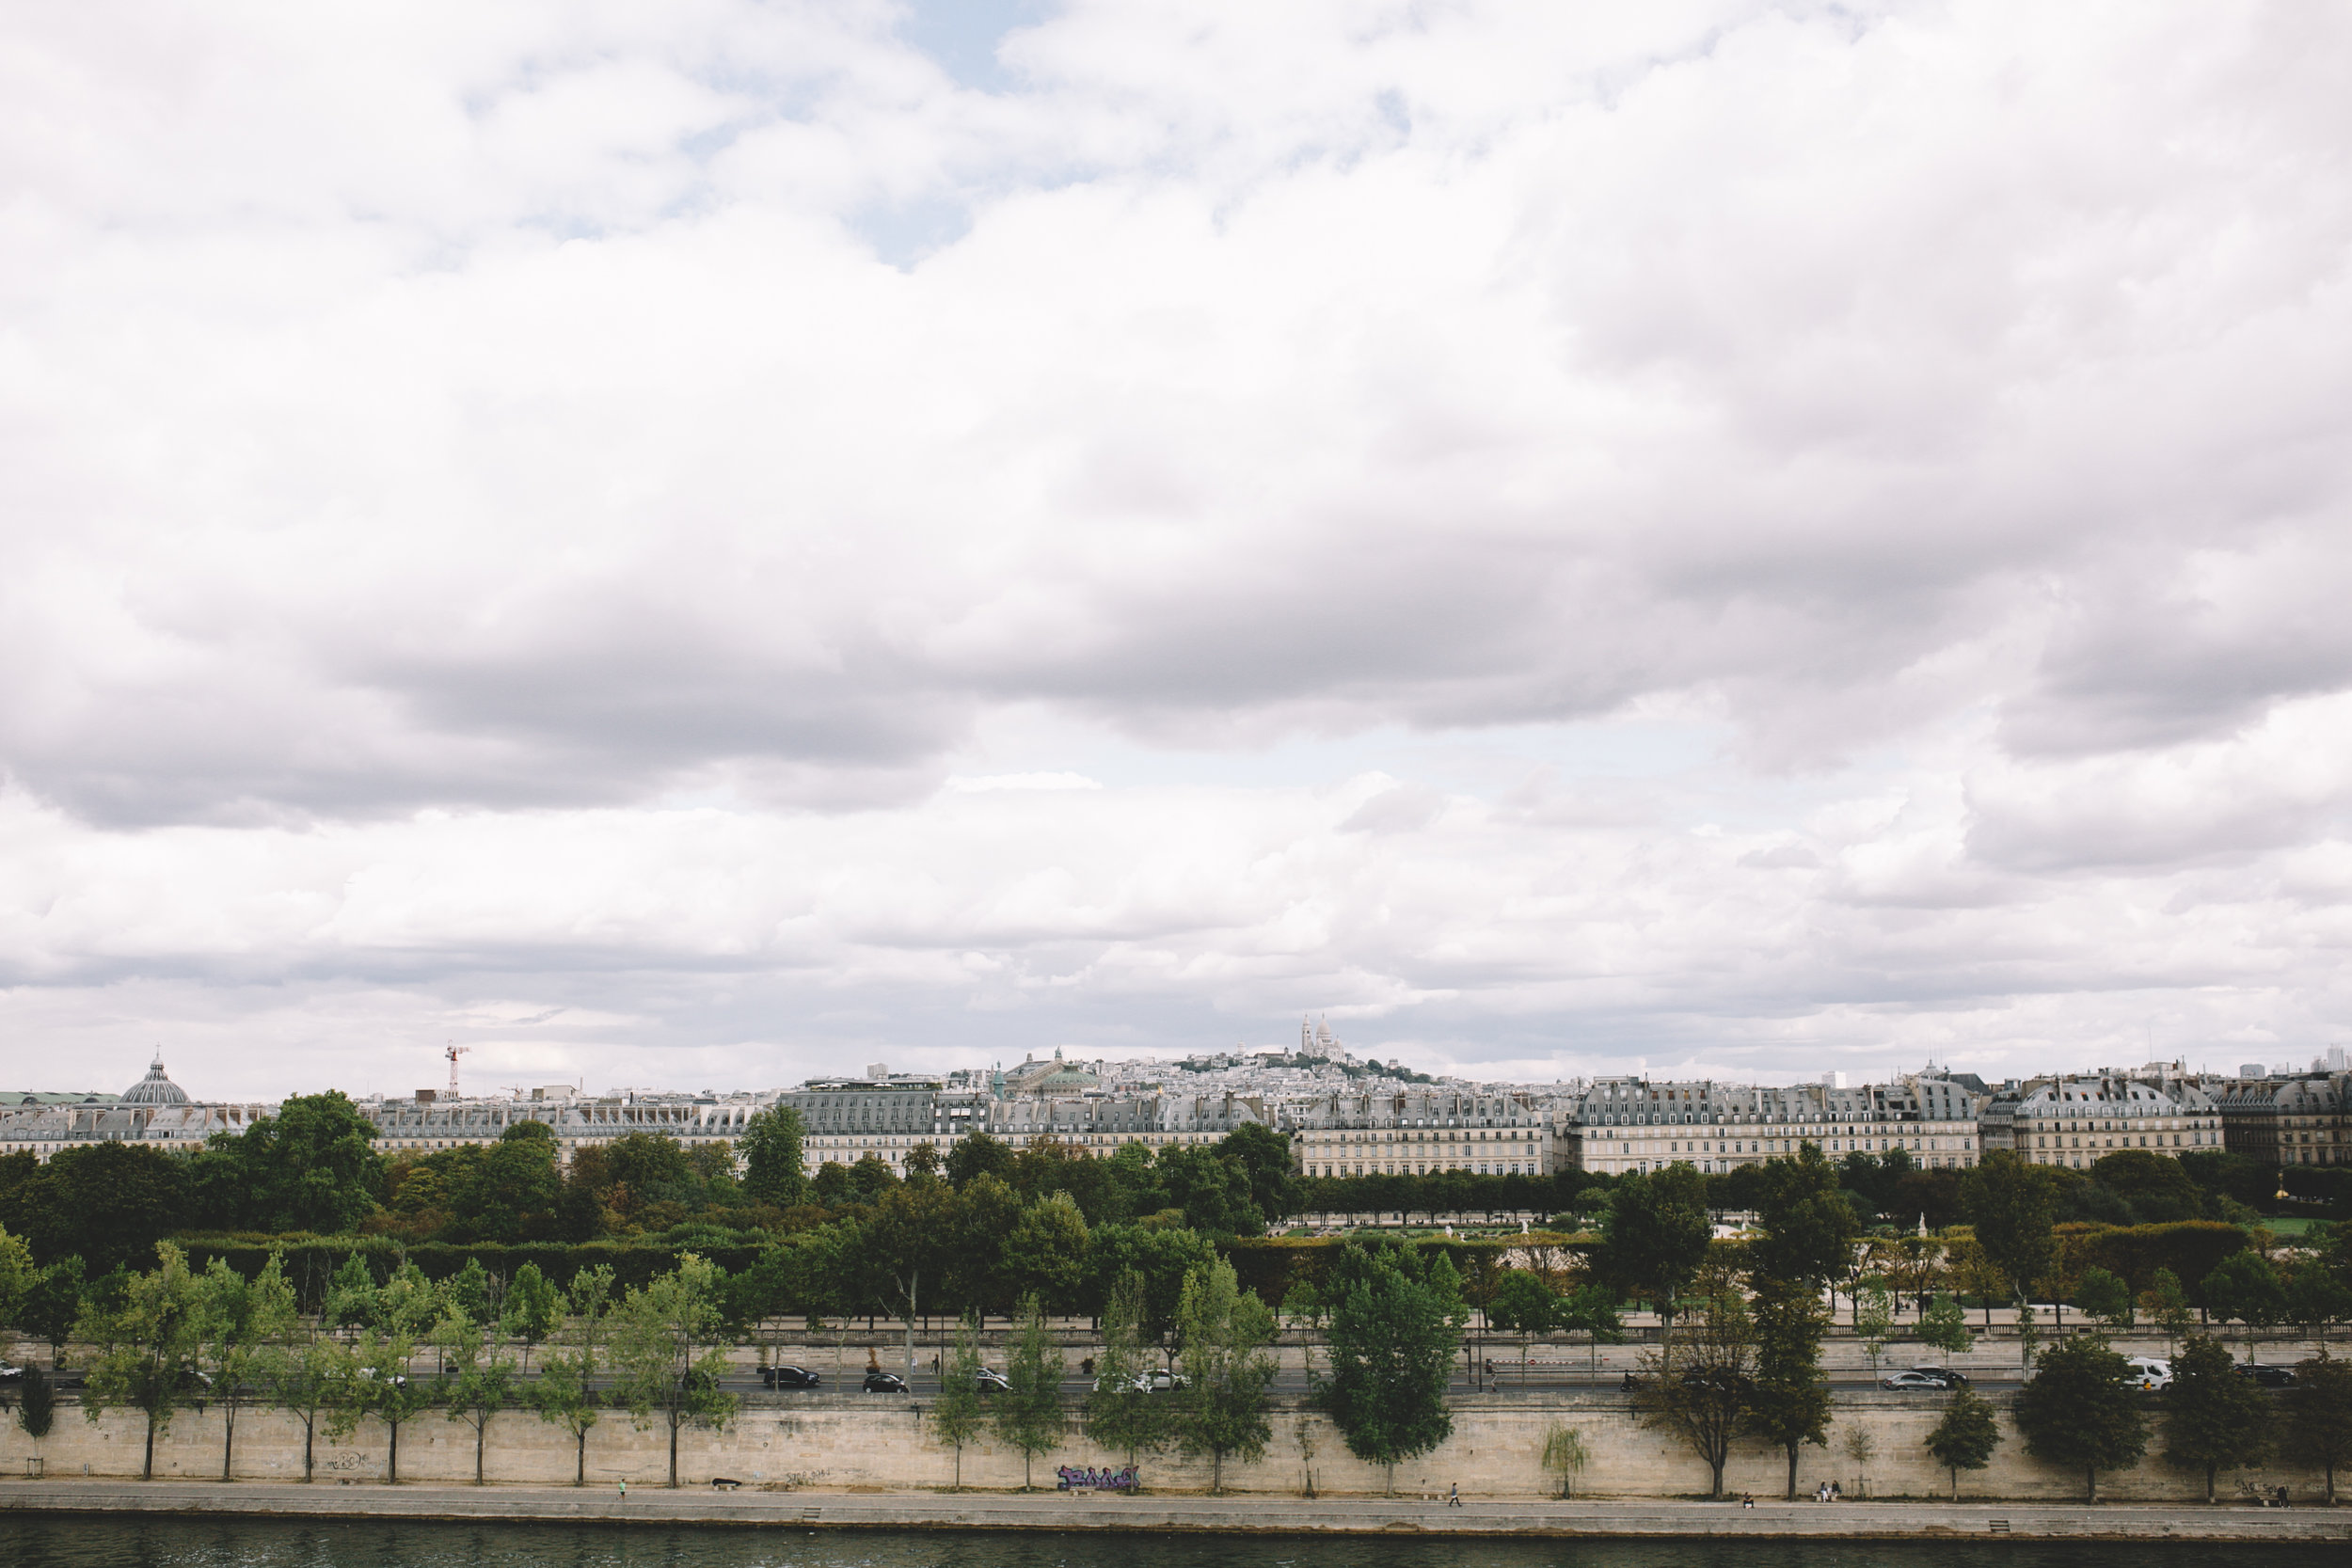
(173, 1338)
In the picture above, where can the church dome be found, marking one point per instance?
(156, 1089)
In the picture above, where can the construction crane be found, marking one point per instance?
(453, 1052)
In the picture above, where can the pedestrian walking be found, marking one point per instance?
(624, 1490)
(1453, 1497)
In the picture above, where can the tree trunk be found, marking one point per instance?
(2209, 1470)
(147, 1472)
(1954, 1483)
(2090, 1483)
(1716, 1465)
(1791, 1493)
(309, 1431)
(227, 1437)
(481, 1440)
(391, 1464)
(1217, 1472)
(579, 1474)
(674, 1453)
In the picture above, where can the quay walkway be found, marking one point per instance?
(1668, 1518)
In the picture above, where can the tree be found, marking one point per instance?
(1700, 1385)
(2104, 1297)
(2013, 1207)
(666, 1351)
(2166, 1306)
(1046, 1254)
(533, 1308)
(1861, 1448)
(1121, 1412)
(2077, 1412)
(299, 1377)
(2246, 1288)
(109, 1202)
(37, 1405)
(370, 1378)
(1029, 1415)
(312, 1166)
(2213, 1416)
(977, 1154)
(1565, 1455)
(957, 1417)
(565, 1394)
(2319, 1414)
(1656, 1235)
(1873, 1315)
(903, 1251)
(1789, 1404)
(484, 1381)
(1222, 1409)
(1523, 1304)
(1264, 1157)
(1395, 1331)
(17, 1273)
(1945, 1326)
(771, 1151)
(244, 1322)
(147, 1347)
(1592, 1311)
(1810, 1228)
(2314, 1296)
(351, 1295)
(1966, 1437)
(50, 1304)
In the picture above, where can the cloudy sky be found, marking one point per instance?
(691, 545)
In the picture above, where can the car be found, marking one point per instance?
(788, 1377)
(1944, 1376)
(11, 1373)
(1140, 1383)
(1913, 1383)
(396, 1380)
(884, 1383)
(993, 1382)
(1165, 1381)
(2268, 1377)
(2148, 1371)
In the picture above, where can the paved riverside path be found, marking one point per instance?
(812, 1510)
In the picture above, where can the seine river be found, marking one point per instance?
(151, 1543)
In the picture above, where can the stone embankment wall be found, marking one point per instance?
(847, 1441)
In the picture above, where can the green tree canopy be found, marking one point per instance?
(2077, 1412)
(1809, 1230)
(1222, 1407)
(1029, 1415)
(1966, 1437)
(149, 1345)
(1396, 1327)
(2319, 1414)
(771, 1147)
(1789, 1403)
(1656, 1235)
(2013, 1207)
(2213, 1416)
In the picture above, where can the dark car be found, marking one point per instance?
(2269, 1377)
(1913, 1383)
(993, 1382)
(1945, 1377)
(788, 1377)
(884, 1383)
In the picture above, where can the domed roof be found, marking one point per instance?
(156, 1089)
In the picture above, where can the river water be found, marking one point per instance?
(153, 1542)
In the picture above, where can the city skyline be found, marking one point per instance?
(717, 545)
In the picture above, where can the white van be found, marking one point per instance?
(2146, 1371)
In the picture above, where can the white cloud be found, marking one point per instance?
(495, 509)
